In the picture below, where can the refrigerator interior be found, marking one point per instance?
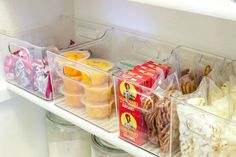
(23, 124)
(22, 129)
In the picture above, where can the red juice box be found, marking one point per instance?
(152, 66)
(147, 74)
(128, 74)
(145, 71)
(166, 68)
(155, 68)
(139, 78)
(145, 68)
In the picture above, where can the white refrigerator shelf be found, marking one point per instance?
(5, 93)
(101, 133)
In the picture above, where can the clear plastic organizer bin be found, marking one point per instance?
(84, 85)
(206, 112)
(205, 75)
(203, 133)
(192, 65)
(147, 117)
(25, 59)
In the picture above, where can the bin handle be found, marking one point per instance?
(188, 125)
(20, 47)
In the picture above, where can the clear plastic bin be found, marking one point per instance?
(94, 84)
(203, 133)
(192, 65)
(205, 113)
(147, 118)
(25, 60)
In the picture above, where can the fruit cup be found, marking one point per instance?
(95, 77)
(73, 100)
(98, 111)
(72, 85)
(99, 94)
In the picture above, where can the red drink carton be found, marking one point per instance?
(166, 68)
(139, 78)
(151, 75)
(145, 69)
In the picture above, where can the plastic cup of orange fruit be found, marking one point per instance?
(99, 94)
(72, 55)
(73, 100)
(95, 77)
(76, 56)
(72, 75)
(98, 111)
(72, 85)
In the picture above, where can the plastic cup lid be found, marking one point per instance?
(86, 54)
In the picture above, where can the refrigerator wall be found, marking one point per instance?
(22, 129)
(26, 14)
(193, 30)
(197, 31)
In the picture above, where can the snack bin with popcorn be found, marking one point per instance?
(96, 100)
(147, 117)
(25, 60)
(206, 112)
(203, 133)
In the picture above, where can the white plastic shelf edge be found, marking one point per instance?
(109, 137)
(5, 93)
(225, 9)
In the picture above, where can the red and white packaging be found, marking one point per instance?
(130, 96)
(166, 68)
(131, 118)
